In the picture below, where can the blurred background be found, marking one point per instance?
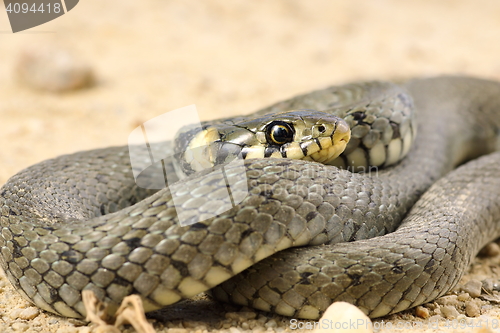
(150, 57)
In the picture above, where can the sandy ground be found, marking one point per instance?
(150, 57)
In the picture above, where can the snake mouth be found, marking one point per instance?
(332, 147)
(330, 153)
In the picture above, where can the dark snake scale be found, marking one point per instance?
(79, 222)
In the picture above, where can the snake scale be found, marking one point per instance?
(80, 222)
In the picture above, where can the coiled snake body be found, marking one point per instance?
(68, 224)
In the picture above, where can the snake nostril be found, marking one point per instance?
(321, 128)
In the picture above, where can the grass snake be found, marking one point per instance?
(80, 221)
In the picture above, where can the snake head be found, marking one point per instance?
(297, 134)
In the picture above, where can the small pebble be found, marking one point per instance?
(29, 313)
(14, 314)
(422, 312)
(473, 288)
(342, 312)
(20, 327)
(234, 330)
(449, 311)
(490, 250)
(463, 297)
(271, 324)
(496, 286)
(435, 318)
(252, 324)
(487, 285)
(448, 300)
(472, 308)
(432, 306)
(52, 69)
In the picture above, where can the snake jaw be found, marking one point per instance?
(332, 146)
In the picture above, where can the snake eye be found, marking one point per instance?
(321, 128)
(279, 132)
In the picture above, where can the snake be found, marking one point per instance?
(296, 236)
